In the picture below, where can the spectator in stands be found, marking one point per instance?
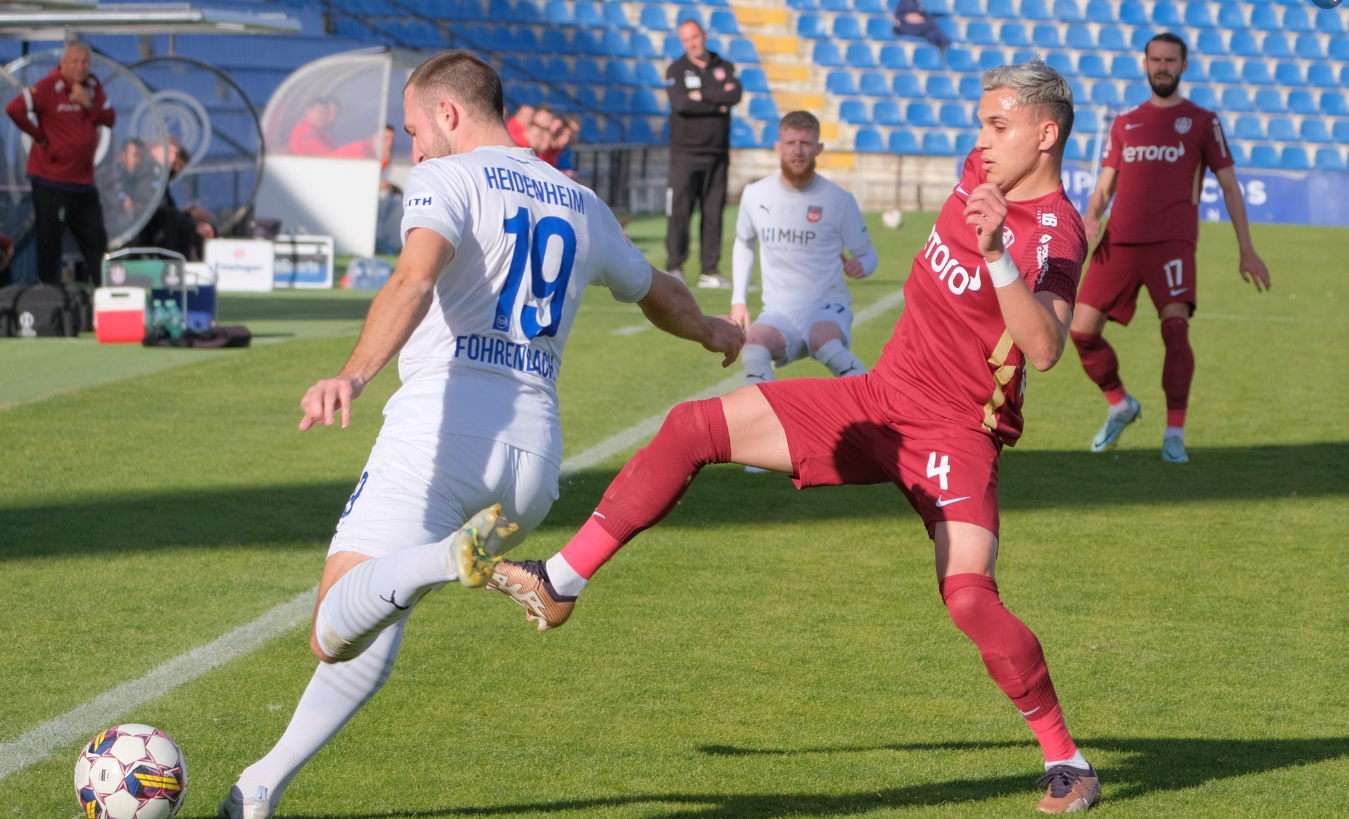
(133, 175)
(517, 124)
(62, 112)
(388, 225)
(183, 230)
(310, 135)
(912, 19)
(703, 88)
(562, 140)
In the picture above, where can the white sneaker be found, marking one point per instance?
(714, 281)
(257, 806)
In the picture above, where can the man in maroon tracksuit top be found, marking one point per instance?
(62, 112)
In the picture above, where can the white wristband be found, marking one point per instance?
(1002, 272)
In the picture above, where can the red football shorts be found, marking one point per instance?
(839, 433)
(1117, 271)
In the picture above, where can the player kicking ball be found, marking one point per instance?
(1153, 167)
(498, 248)
(992, 289)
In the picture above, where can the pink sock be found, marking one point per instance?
(1052, 733)
(590, 548)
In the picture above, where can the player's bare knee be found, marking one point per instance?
(769, 338)
(318, 649)
(823, 333)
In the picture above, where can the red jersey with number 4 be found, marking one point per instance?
(1160, 155)
(951, 357)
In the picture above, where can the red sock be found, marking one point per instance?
(1101, 364)
(694, 435)
(1012, 656)
(1177, 369)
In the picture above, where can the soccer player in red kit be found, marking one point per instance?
(992, 289)
(1154, 168)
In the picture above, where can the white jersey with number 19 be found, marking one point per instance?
(484, 362)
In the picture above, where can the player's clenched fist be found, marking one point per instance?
(726, 337)
(986, 210)
(329, 396)
(852, 267)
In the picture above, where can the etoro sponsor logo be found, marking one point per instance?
(948, 268)
(1153, 153)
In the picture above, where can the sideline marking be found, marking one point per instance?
(110, 706)
(630, 330)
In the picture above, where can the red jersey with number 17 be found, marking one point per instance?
(951, 358)
(1160, 155)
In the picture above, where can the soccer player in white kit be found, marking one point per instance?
(802, 223)
(498, 246)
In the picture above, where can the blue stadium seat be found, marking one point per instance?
(1265, 17)
(614, 44)
(1111, 39)
(1248, 128)
(724, 22)
(893, 57)
(763, 108)
(615, 101)
(587, 98)
(769, 135)
(869, 7)
(1013, 34)
(1061, 63)
(1197, 15)
(1092, 66)
(1340, 130)
(1079, 37)
(1132, 13)
(614, 16)
(854, 112)
(881, 28)
(1139, 39)
(588, 72)
(1000, 9)
(527, 11)
(838, 6)
(920, 114)
(1223, 71)
(1276, 46)
(1085, 121)
(1231, 17)
(1034, 10)
(969, 8)
(980, 33)
(803, 5)
(654, 19)
(648, 76)
(1023, 55)
(1125, 67)
(887, 112)
(841, 83)
(940, 87)
(861, 56)
(906, 86)
(1073, 150)
(1289, 74)
(1255, 73)
(558, 13)
(589, 15)
(639, 132)
(1166, 15)
(937, 144)
(690, 15)
(1280, 129)
(1329, 159)
(1104, 92)
(1045, 36)
(1203, 96)
(961, 60)
(965, 143)
(1334, 104)
(1100, 11)
(991, 58)
(754, 80)
(1136, 94)
(559, 71)
(1236, 101)
(847, 28)
(1264, 156)
(954, 115)
(1079, 89)
(743, 52)
(644, 102)
(617, 72)
(873, 84)
(1296, 20)
(525, 41)
(585, 42)
(1196, 72)
(869, 141)
(1067, 11)
(642, 48)
(927, 58)
(1314, 130)
(811, 26)
(826, 54)
(970, 89)
(1238, 155)
(1244, 44)
(903, 142)
(1328, 21)
(555, 41)
(1321, 75)
(1308, 47)
(1294, 158)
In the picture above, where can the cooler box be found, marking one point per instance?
(148, 267)
(119, 315)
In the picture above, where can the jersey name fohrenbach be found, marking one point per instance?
(947, 268)
(495, 350)
(1140, 153)
(786, 236)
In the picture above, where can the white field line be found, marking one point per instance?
(630, 330)
(107, 708)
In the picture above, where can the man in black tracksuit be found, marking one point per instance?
(703, 88)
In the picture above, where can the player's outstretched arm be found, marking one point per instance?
(670, 306)
(1251, 267)
(398, 308)
(742, 268)
(1037, 322)
(1098, 202)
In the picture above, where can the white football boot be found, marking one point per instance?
(257, 806)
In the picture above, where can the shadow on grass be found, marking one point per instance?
(1148, 766)
(289, 307)
(272, 517)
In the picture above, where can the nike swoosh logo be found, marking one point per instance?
(948, 501)
(1133, 126)
(1028, 713)
(392, 601)
(962, 190)
(597, 515)
(1178, 292)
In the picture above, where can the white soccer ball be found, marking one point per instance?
(130, 771)
(892, 218)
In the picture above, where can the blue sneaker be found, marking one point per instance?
(1173, 450)
(1115, 422)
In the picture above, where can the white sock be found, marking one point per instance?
(1077, 761)
(758, 363)
(374, 594)
(1122, 407)
(839, 359)
(564, 578)
(1175, 432)
(335, 693)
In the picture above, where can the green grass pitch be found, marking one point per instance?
(765, 653)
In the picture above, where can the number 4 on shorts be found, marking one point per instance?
(935, 470)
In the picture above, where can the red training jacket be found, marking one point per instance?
(46, 112)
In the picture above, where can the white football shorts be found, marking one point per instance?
(419, 488)
(795, 326)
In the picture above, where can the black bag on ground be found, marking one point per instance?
(9, 320)
(82, 306)
(46, 310)
(212, 339)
